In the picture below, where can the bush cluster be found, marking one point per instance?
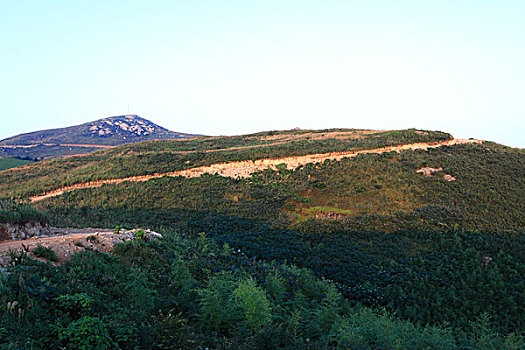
(187, 293)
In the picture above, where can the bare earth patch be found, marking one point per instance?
(66, 242)
(429, 172)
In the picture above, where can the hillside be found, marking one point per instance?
(189, 292)
(85, 138)
(159, 157)
(334, 230)
(7, 163)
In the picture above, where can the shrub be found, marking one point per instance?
(14, 212)
(140, 235)
(217, 310)
(86, 333)
(365, 329)
(74, 304)
(17, 257)
(254, 304)
(45, 253)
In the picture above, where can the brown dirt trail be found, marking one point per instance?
(243, 169)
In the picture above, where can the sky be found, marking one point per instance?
(237, 67)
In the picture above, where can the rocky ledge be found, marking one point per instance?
(23, 231)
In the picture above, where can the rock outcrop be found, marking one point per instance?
(22, 231)
(429, 172)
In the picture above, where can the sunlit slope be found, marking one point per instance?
(479, 187)
(168, 156)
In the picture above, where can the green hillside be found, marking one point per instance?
(370, 192)
(165, 156)
(7, 163)
(190, 293)
(395, 225)
(329, 252)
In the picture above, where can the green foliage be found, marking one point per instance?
(366, 329)
(75, 304)
(140, 235)
(86, 333)
(484, 337)
(15, 212)
(7, 163)
(275, 286)
(253, 302)
(45, 253)
(173, 331)
(184, 293)
(219, 312)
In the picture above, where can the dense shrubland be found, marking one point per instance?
(188, 292)
(15, 212)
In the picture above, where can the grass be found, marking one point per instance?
(8, 163)
(321, 212)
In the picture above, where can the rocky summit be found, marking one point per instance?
(85, 138)
(131, 125)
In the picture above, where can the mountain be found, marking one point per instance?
(322, 235)
(85, 138)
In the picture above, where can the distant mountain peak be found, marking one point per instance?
(84, 138)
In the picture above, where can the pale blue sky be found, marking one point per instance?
(232, 67)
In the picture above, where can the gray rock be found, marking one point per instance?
(22, 231)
